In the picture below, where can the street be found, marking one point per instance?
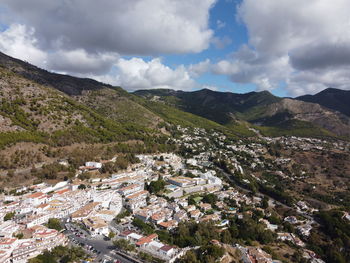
(102, 248)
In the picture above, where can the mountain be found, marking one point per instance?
(331, 98)
(271, 114)
(46, 116)
(222, 107)
(41, 106)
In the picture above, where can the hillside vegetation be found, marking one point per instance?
(272, 115)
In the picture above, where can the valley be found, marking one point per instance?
(168, 176)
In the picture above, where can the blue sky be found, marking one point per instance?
(288, 47)
(225, 12)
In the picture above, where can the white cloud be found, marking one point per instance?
(200, 68)
(131, 74)
(221, 42)
(79, 62)
(135, 27)
(247, 66)
(301, 43)
(135, 73)
(85, 38)
(17, 41)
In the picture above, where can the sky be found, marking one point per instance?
(288, 47)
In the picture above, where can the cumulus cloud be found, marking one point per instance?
(86, 38)
(200, 68)
(136, 73)
(309, 57)
(304, 44)
(248, 66)
(136, 27)
(18, 41)
(79, 62)
(132, 74)
(221, 42)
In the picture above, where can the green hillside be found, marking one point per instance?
(273, 115)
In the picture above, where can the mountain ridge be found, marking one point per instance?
(37, 105)
(335, 99)
(147, 110)
(258, 108)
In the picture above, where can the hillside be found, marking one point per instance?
(42, 122)
(40, 106)
(32, 112)
(65, 83)
(59, 110)
(273, 115)
(334, 99)
(222, 107)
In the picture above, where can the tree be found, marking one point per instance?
(226, 237)
(9, 216)
(190, 257)
(145, 256)
(210, 198)
(146, 228)
(156, 186)
(82, 186)
(111, 235)
(124, 244)
(19, 235)
(265, 202)
(60, 254)
(54, 223)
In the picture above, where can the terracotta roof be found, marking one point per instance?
(85, 210)
(153, 236)
(36, 195)
(157, 216)
(42, 205)
(147, 239)
(7, 241)
(171, 223)
(62, 191)
(46, 232)
(126, 233)
(195, 212)
(137, 194)
(166, 248)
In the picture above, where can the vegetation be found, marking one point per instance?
(294, 128)
(9, 216)
(210, 198)
(60, 254)
(124, 244)
(337, 233)
(54, 223)
(149, 258)
(144, 227)
(208, 254)
(19, 235)
(156, 187)
(111, 235)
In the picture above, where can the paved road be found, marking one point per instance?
(104, 247)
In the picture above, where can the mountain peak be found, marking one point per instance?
(335, 99)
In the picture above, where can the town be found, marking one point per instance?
(136, 214)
